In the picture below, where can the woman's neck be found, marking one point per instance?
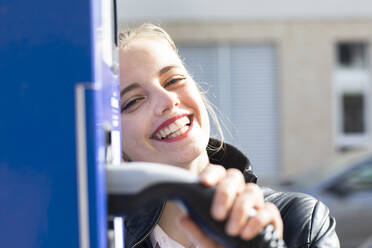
(172, 212)
(197, 165)
(169, 223)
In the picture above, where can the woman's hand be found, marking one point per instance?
(234, 201)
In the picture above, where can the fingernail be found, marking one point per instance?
(251, 212)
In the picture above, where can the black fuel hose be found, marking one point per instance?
(135, 184)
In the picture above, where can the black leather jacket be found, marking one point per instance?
(307, 222)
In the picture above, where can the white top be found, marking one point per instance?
(158, 236)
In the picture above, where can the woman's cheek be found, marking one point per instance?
(128, 134)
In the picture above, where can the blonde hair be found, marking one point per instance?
(149, 30)
(145, 30)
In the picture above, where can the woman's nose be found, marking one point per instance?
(166, 101)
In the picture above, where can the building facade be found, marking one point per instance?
(292, 82)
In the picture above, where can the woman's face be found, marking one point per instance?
(163, 116)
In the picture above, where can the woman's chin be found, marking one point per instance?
(193, 160)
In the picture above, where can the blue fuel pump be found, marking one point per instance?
(59, 101)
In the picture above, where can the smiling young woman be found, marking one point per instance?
(165, 120)
(163, 114)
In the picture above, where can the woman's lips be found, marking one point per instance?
(174, 128)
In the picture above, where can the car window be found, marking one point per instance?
(360, 179)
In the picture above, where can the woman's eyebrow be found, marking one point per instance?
(136, 85)
(129, 88)
(167, 68)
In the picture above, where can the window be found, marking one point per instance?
(240, 80)
(353, 113)
(352, 54)
(352, 87)
(361, 178)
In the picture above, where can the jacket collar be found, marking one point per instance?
(230, 157)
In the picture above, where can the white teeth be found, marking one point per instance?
(184, 129)
(162, 133)
(175, 129)
(167, 130)
(180, 122)
(185, 120)
(173, 135)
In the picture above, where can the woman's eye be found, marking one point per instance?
(174, 81)
(130, 105)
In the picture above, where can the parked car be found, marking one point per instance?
(346, 188)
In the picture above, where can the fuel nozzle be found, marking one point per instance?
(136, 184)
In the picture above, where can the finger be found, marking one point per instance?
(196, 234)
(277, 218)
(243, 208)
(268, 214)
(226, 191)
(212, 174)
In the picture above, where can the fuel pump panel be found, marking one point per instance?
(60, 98)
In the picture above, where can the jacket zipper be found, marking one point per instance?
(152, 228)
